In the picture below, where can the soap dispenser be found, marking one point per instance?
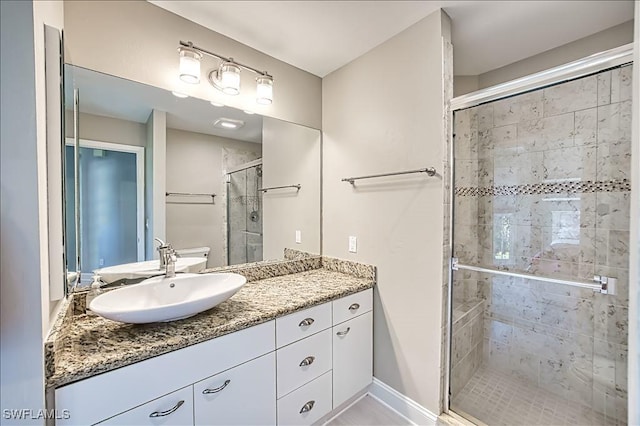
(94, 291)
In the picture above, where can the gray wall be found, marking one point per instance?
(370, 128)
(195, 164)
(138, 40)
(291, 155)
(24, 263)
(598, 42)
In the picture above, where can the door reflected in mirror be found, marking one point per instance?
(195, 175)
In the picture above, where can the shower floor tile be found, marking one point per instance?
(497, 398)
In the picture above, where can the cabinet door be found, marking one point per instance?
(352, 357)
(175, 408)
(243, 395)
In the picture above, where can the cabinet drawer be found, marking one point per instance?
(302, 324)
(352, 357)
(307, 404)
(173, 409)
(102, 396)
(303, 361)
(243, 395)
(352, 306)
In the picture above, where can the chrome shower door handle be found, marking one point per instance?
(169, 411)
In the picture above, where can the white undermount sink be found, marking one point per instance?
(148, 268)
(161, 299)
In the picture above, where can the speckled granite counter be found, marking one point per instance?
(84, 345)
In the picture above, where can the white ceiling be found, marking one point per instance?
(109, 96)
(322, 36)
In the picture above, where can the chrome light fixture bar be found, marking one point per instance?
(226, 77)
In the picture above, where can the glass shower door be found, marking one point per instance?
(244, 215)
(541, 205)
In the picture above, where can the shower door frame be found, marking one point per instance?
(583, 67)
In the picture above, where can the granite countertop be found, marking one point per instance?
(88, 345)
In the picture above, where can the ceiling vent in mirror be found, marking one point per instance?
(226, 76)
(228, 123)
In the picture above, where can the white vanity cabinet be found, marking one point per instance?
(292, 370)
(318, 372)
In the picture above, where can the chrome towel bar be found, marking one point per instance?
(298, 186)
(190, 194)
(431, 171)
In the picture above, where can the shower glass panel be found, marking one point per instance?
(542, 187)
(244, 215)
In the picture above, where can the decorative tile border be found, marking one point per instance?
(546, 188)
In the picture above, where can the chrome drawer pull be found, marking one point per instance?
(354, 307)
(343, 333)
(306, 322)
(307, 407)
(166, 413)
(218, 389)
(307, 361)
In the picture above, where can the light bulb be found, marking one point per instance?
(189, 65)
(229, 74)
(264, 90)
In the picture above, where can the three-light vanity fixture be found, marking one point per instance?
(226, 77)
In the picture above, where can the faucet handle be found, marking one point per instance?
(161, 242)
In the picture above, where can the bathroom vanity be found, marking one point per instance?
(286, 349)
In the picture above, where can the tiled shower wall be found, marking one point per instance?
(542, 186)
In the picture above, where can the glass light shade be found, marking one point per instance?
(229, 78)
(189, 65)
(264, 90)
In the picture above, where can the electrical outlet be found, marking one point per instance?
(298, 237)
(101, 262)
(353, 244)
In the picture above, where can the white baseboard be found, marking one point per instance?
(401, 404)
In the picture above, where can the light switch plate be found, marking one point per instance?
(353, 244)
(298, 237)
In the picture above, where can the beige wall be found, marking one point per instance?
(106, 129)
(195, 164)
(138, 40)
(598, 42)
(372, 127)
(291, 155)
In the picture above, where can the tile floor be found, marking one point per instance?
(497, 398)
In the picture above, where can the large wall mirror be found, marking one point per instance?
(208, 179)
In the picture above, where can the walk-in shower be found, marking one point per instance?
(541, 207)
(244, 213)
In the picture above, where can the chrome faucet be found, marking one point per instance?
(162, 250)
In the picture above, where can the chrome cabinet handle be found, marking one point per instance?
(354, 306)
(218, 389)
(307, 361)
(307, 407)
(306, 322)
(166, 413)
(343, 333)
